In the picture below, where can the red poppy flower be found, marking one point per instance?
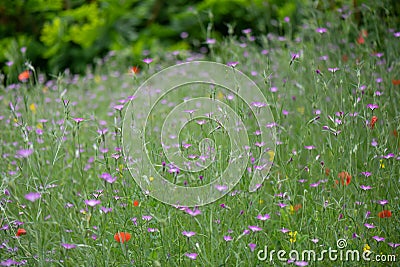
(345, 178)
(385, 214)
(135, 70)
(24, 76)
(396, 82)
(327, 171)
(297, 207)
(21, 231)
(135, 203)
(363, 34)
(395, 133)
(374, 119)
(122, 237)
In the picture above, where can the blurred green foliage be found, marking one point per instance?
(60, 34)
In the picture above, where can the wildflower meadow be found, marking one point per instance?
(69, 194)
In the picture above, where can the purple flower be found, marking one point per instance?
(378, 238)
(92, 202)
(383, 202)
(232, 64)
(108, 178)
(184, 35)
(367, 214)
(210, 41)
(221, 188)
(315, 240)
(191, 256)
(78, 120)
(393, 245)
(252, 246)
(102, 131)
(258, 104)
(309, 147)
(152, 230)
(374, 143)
(321, 30)
(282, 205)
(365, 187)
(255, 228)
(33, 196)
(118, 107)
(193, 212)
(24, 153)
(372, 106)
(106, 210)
(366, 174)
(68, 246)
(228, 238)
(9, 262)
(388, 156)
(369, 226)
(284, 230)
(301, 263)
(147, 60)
(147, 217)
(188, 234)
(333, 70)
(263, 217)
(246, 31)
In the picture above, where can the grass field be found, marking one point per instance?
(333, 90)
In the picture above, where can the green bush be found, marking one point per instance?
(60, 34)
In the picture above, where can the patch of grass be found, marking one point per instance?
(335, 173)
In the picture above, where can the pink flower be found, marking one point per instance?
(378, 238)
(33, 196)
(193, 213)
(263, 217)
(24, 153)
(188, 234)
(92, 202)
(255, 228)
(252, 246)
(191, 256)
(228, 238)
(147, 60)
(369, 226)
(68, 246)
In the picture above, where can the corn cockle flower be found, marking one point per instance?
(32, 196)
(68, 246)
(191, 256)
(24, 153)
(188, 234)
(372, 106)
(147, 60)
(92, 202)
(255, 228)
